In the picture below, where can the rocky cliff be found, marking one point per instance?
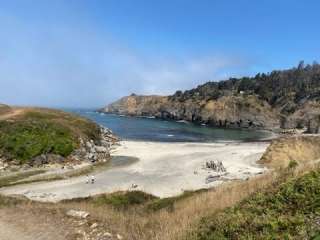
(137, 105)
(227, 111)
(280, 99)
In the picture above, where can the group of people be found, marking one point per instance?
(88, 179)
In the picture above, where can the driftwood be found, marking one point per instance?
(216, 166)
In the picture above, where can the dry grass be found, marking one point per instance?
(298, 148)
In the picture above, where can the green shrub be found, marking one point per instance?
(42, 131)
(292, 164)
(168, 203)
(24, 140)
(124, 199)
(288, 212)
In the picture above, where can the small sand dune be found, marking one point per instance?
(163, 169)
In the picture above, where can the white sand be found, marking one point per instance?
(163, 169)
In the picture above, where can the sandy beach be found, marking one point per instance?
(163, 169)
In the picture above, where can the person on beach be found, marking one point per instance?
(92, 179)
(87, 179)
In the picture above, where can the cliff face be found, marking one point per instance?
(134, 105)
(227, 111)
(286, 99)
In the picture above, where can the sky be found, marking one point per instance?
(88, 53)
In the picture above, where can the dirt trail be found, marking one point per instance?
(31, 224)
(13, 113)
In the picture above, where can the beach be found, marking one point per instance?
(162, 169)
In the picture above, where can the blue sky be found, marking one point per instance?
(87, 53)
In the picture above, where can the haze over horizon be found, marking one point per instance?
(78, 53)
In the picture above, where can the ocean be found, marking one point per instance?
(151, 129)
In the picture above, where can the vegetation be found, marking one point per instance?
(43, 131)
(24, 140)
(131, 199)
(8, 201)
(169, 203)
(279, 88)
(123, 200)
(290, 211)
(32, 176)
(11, 179)
(291, 151)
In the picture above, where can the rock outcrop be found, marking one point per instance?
(96, 151)
(228, 111)
(88, 150)
(135, 105)
(285, 99)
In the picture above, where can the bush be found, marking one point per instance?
(289, 212)
(124, 199)
(292, 164)
(43, 131)
(24, 140)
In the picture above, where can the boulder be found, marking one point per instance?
(101, 149)
(39, 160)
(54, 158)
(88, 145)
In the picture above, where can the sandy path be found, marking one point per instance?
(29, 224)
(8, 232)
(14, 112)
(163, 169)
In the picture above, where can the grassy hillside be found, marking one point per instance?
(287, 211)
(282, 151)
(33, 132)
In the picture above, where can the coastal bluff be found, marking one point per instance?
(37, 137)
(227, 111)
(287, 99)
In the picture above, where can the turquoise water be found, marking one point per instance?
(138, 128)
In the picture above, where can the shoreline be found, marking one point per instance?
(163, 169)
(183, 121)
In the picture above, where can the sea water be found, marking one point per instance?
(152, 129)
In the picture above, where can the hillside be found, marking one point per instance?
(286, 211)
(286, 99)
(282, 151)
(36, 136)
(137, 105)
(4, 109)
